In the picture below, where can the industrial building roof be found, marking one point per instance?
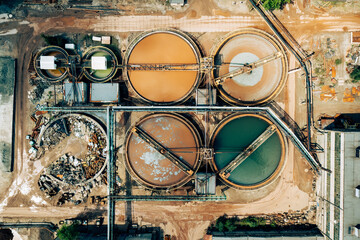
(104, 92)
(99, 63)
(47, 62)
(177, 2)
(300, 233)
(352, 179)
(76, 92)
(342, 211)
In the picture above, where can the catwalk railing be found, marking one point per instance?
(303, 58)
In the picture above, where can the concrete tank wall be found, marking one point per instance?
(153, 169)
(162, 47)
(245, 47)
(232, 136)
(58, 74)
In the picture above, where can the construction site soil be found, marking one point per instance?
(207, 22)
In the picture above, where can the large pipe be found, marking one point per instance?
(303, 65)
(266, 110)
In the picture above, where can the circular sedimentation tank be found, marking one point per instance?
(61, 60)
(96, 75)
(258, 84)
(86, 130)
(234, 138)
(152, 167)
(163, 47)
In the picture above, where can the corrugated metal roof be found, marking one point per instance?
(104, 92)
(99, 63)
(182, 2)
(47, 62)
(80, 92)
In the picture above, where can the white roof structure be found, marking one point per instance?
(339, 212)
(177, 2)
(105, 40)
(47, 62)
(104, 92)
(96, 39)
(69, 46)
(98, 63)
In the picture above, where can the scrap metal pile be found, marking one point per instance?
(68, 169)
(74, 177)
(54, 134)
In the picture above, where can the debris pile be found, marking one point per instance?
(68, 177)
(68, 169)
(290, 218)
(74, 177)
(327, 93)
(54, 134)
(92, 165)
(48, 186)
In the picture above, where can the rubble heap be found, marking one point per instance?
(54, 134)
(68, 169)
(73, 177)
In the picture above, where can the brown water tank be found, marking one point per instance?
(257, 85)
(152, 167)
(157, 85)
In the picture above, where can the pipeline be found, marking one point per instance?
(301, 60)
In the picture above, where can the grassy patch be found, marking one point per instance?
(274, 4)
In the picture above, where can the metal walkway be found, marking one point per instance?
(247, 68)
(180, 163)
(235, 109)
(110, 172)
(302, 57)
(227, 170)
(185, 198)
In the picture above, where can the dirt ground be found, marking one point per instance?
(207, 20)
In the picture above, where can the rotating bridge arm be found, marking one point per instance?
(180, 163)
(246, 68)
(226, 171)
(204, 66)
(162, 67)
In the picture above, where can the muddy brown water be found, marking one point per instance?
(272, 72)
(152, 167)
(163, 86)
(59, 71)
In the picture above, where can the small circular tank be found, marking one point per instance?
(157, 85)
(258, 164)
(152, 166)
(96, 73)
(61, 61)
(257, 84)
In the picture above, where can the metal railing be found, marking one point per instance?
(110, 172)
(296, 50)
(235, 109)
